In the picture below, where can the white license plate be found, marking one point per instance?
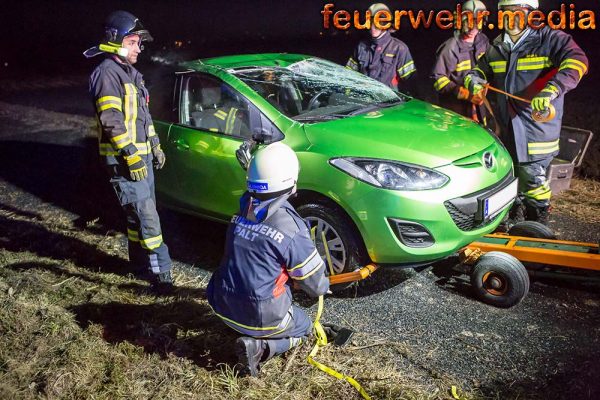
(497, 202)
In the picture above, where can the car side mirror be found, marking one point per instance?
(266, 136)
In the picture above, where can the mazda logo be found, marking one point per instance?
(488, 160)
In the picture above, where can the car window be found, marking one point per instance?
(161, 85)
(316, 88)
(210, 104)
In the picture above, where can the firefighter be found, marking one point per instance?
(267, 243)
(454, 59)
(383, 57)
(537, 64)
(128, 144)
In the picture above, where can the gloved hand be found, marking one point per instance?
(159, 157)
(137, 167)
(244, 153)
(464, 94)
(475, 84)
(336, 334)
(542, 100)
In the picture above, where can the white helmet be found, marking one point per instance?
(473, 6)
(273, 169)
(529, 3)
(378, 7)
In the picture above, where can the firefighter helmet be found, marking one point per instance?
(273, 170)
(475, 7)
(378, 7)
(525, 3)
(119, 25)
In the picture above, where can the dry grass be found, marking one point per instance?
(71, 332)
(581, 201)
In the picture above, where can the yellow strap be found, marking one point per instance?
(109, 105)
(322, 337)
(321, 342)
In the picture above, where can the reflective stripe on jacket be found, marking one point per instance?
(121, 104)
(386, 59)
(545, 57)
(267, 243)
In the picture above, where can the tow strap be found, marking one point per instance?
(322, 337)
(538, 116)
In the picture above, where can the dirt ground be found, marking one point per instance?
(425, 329)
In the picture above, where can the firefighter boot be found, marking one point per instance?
(537, 213)
(162, 283)
(250, 352)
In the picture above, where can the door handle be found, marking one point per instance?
(182, 144)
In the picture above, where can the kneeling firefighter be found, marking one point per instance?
(267, 243)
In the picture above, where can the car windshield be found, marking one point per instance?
(316, 90)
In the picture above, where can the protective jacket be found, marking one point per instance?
(386, 59)
(121, 103)
(454, 59)
(545, 57)
(267, 243)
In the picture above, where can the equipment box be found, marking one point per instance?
(573, 145)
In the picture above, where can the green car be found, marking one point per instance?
(384, 177)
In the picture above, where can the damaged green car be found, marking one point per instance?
(385, 177)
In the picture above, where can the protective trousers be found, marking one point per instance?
(534, 187)
(297, 331)
(145, 244)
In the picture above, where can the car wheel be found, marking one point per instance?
(345, 245)
(532, 229)
(499, 279)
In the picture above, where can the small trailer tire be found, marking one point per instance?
(499, 279)
(532, 229)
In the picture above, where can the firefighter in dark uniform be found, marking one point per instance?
(454, 59)
(267, 243)
(541, 65)
(128, 144)
(384, 58)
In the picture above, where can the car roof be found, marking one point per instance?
(249, 60)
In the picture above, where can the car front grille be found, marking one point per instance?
(464, 222)
(465, 211)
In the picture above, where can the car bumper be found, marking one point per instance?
(404, 228)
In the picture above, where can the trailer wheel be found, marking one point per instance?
(499, 279)
(532, 229)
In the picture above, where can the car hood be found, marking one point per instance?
(415, 132)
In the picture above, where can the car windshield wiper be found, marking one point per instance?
(376, 106)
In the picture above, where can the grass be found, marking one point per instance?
(581, 201)
(73, 329)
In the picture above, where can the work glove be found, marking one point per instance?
(475, 84)
(336, 334)
(137, 167)
(244, 153)
(159, 157)
(541, 101)
(464, 94)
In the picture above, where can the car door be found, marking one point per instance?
(214, 119)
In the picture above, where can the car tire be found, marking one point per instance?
(342, 227)
(532, 229)
(499, 279)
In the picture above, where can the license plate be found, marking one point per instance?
(498, 201)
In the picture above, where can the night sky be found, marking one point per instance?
(48, 37)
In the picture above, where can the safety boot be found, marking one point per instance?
(538, 214)
(162, 283)
(250, 352)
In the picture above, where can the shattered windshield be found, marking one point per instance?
(315, 89)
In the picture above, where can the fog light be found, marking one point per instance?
(411, 234)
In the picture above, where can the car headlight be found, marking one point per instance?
(390, 174)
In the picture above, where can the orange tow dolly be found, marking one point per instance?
(498, 274)
(496, 267)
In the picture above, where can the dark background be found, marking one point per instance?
(48, 37)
